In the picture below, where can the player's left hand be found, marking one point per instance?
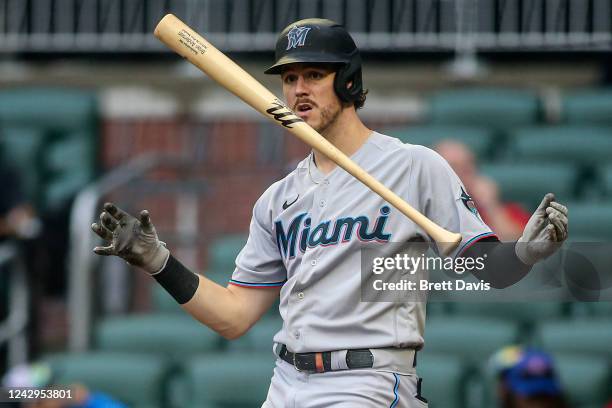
(544, 233)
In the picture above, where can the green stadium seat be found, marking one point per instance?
(538, 296)
(227, 380)
(569, 144)
(21, 148)
(582, 336)
(586, 274)
(444, 379)
(584, 379)
(605, 173)
(136, 380)
(481, 141)
(52, 135)
(496, 108)
(222, 257)
(163, 302)
(56, 109)
(589, 107)
(590, 221)
(593, 309)
(70, 151)
(171, 336)
(259, 337)
(470, 338)
(438, 308)
(69, 164)
(527, 183)
(524, 313)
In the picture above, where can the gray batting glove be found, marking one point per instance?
(134, 240)
(544, 233)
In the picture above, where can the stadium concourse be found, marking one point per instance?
(145, 130)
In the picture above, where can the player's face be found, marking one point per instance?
(309, 91)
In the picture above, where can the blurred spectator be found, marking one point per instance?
(42, 376)
(507, 220)
(526, 379)
(19, 225)
(17, 216)
(504, 359)
(606, 79)
(499, 364)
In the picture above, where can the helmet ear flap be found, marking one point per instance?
(350, 72)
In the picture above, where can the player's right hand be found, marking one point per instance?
(134, 240)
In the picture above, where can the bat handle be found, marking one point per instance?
(448, 242)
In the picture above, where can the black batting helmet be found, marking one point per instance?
(320, 40)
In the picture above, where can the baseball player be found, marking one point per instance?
(306, 235)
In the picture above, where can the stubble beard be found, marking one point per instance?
(329, 116)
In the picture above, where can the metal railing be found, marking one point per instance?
(82, 261)
(13, 328)
(95, 26)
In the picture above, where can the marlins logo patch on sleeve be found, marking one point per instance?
(468, 202)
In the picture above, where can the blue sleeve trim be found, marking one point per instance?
(257, 285)
(473, 241)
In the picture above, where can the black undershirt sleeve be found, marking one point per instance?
(502, 267)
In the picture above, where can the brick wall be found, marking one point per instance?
(230, 163)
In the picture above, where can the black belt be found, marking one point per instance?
(321, 362)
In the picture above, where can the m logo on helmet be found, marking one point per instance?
(297, 36)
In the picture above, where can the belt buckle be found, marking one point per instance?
(295, 363)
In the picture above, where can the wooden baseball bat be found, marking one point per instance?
(190, 45)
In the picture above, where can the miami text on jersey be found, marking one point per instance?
(323, 236)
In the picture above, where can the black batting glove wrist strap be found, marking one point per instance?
(178, 281)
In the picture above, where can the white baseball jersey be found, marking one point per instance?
(308, 229)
